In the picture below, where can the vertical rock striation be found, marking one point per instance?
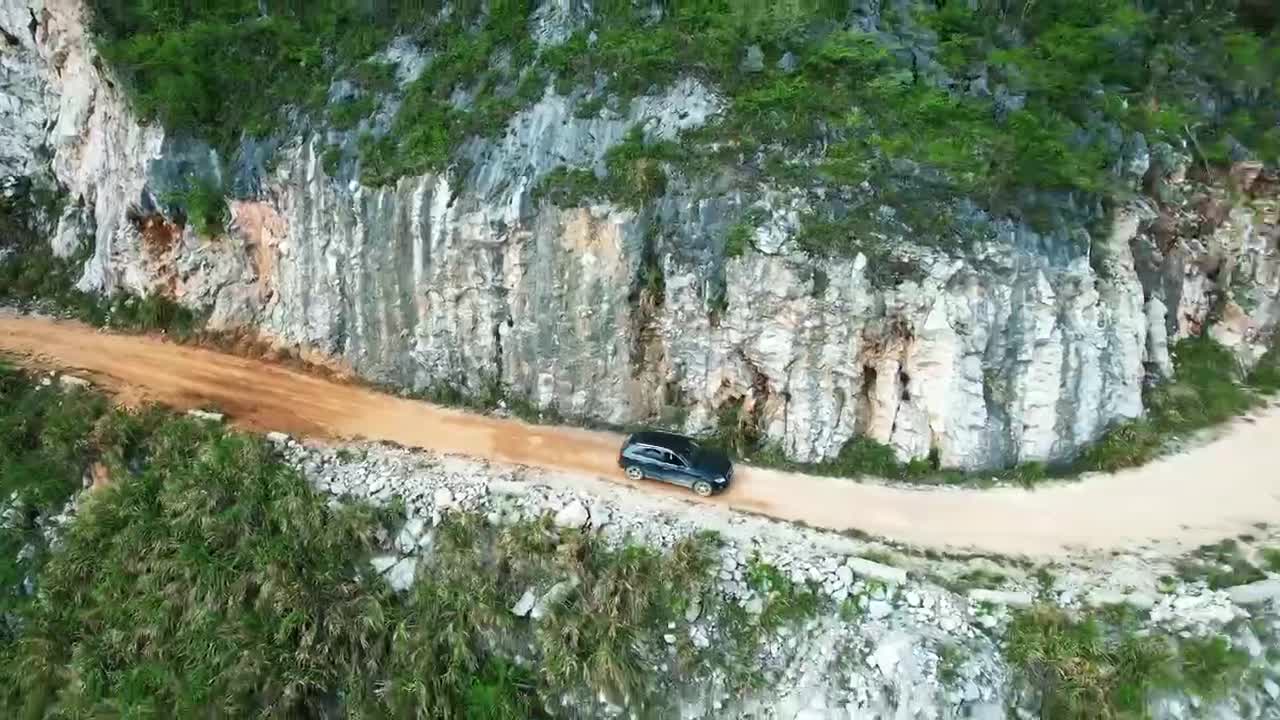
(1022, 349)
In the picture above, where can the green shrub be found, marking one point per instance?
(187, 65)
(738, 239)
(569, 187)
(1207, 389)
(375, 77)
(1079, 673)
(1221, 565)
(207, 574)
(347, 114)
(203, 203)
(1209, 665)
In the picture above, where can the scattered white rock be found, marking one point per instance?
(443, 499)
(877, 571)
(411, 535)
(524, 605)
(879, 609)
(844, 576)
(572, 516)
(1255, 593)
(1008, 598)
(553, 597)
(693, 610)
(400, 576)
(207, 416)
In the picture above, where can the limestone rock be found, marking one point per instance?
(1255, 593)
(400, 576)
(877, 571)
(1002, 597)
(525, 604)
(558, 592)
(572, 516)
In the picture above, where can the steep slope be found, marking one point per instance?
(551, 207)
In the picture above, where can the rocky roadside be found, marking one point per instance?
(834, 626)
(894, 635)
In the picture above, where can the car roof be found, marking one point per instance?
(670, 441)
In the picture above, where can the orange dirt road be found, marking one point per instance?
(1210, 492)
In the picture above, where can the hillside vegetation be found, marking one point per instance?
(997, 104)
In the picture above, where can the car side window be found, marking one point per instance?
(675, 459)
(650, 454)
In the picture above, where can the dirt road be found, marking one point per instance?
(1211, 492)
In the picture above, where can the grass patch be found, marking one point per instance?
(951, 657)
(346, 114)
(208, 574)
(1221, 565)
(1207, 389)
(635, 175)
(785, 601)
(1271, 559)
(852, 106)
(202, 204)
(1085, 669)
(1209, 665)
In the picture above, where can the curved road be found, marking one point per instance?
(1210, 492)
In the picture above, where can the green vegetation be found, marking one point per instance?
(48, 442)
(847, 106)
(202, 204)
(951, 657)
(785, 601)
(1207, 389)
(1086, 669)
(738, 239)
(347, 114)
(635, 175)
(187, 65)
(981, 578)
(207, 574)
(1221, 565)
(31, 275)
(35, 277)
(1271, 559)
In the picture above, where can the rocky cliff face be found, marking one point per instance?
(1023, 348)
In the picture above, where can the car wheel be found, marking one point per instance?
(635, 473)
(703, 488)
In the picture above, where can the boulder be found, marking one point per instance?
(572, 516)
(1001, 597)
(524, 605)
(206, 416)
(877, 571)
(553, 597)
(879, 609)
(411, 535)
(400, 576)
(1255, 593)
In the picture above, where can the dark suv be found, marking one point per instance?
(676, 459)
